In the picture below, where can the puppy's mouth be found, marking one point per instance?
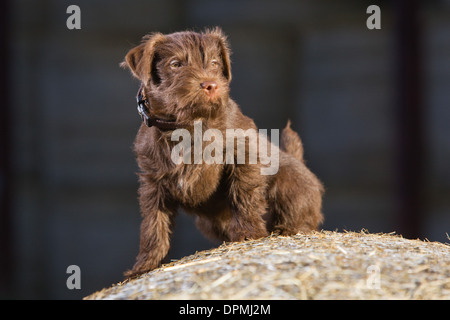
(203, 100)
(212, 99)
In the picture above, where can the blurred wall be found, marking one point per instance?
(316, 63)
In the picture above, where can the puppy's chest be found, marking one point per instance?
(194, 184)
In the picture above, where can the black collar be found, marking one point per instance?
(143, 110)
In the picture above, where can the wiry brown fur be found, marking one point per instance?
(232, 202)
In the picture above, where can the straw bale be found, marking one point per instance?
(319, 265)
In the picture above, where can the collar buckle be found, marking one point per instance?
(142, 108)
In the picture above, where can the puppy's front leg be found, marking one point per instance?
(156, 228)
(248, 203)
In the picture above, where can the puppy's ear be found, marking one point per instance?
(139, 59)
(133, 60)
(225, 51)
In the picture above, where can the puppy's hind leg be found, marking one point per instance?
(295, 199)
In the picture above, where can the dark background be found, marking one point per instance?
(372, 108)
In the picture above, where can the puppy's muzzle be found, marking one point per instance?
(209, 87)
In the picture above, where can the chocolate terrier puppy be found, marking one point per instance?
(185, 79)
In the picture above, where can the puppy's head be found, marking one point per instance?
(186, 75)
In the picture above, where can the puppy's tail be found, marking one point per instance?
(291, 143)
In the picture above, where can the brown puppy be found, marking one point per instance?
(185, 78)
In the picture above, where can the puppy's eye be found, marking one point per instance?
(175, 64)
(214, 63)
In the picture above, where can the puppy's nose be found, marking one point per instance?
(209, 87)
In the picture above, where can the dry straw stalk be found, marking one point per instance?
(320, 265)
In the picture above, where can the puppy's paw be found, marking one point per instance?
(138, 270)
(284, 231)
(131, 274)
(239, 231)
